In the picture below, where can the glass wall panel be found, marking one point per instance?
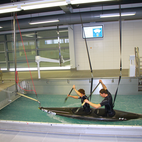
(65, 53)
(23, 65)
(19, 45)
(2, 47)
(42, 43)
(48, 64)
(21, 56)
(48, 46)
(11, 56)
(25, 36)
(47, 34)
(10, 46)
(2, 38)
(2, 65)
(53, 54)
(27, 45)
(2, 56)
(63, 33)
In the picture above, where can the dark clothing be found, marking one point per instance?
(86, 106)
(107, 102)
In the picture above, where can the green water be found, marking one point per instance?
(24, 109)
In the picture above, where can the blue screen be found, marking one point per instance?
(93, 32)
(97, 32)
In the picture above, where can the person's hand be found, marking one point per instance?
(86, 101)
(73, 86)
(68, 95)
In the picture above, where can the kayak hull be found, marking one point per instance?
(94, 114)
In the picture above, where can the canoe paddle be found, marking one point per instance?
(69, 94)
(87, 97)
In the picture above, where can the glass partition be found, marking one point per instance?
(2, 56)
(38, 43)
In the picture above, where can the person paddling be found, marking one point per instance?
(82, 96)
(107, 102)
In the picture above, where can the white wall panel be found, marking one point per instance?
(105, 52)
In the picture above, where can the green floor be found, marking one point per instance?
(24, 109)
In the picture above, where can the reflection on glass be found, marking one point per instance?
(19, 45)
(2, 57)
(23, 65)
(2, 38)
(2, 65)
(21, 56)
(2, 47)
(41, 43)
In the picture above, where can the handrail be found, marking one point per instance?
(137, 61)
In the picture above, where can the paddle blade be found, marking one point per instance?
(69, 94)
(65, 99)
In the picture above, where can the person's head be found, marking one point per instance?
(82, 91)
(103, 93)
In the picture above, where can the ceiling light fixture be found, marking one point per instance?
(41, 68)
(29, 6)
(87, 1)
(117, 14)
(9, 9)
(43, 22)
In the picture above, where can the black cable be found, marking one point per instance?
(120, 33)
(88, 58)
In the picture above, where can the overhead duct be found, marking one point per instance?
(69, 19)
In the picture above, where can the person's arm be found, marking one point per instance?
(77, 92)
(92, 104)
(75, 97)
(104, 87)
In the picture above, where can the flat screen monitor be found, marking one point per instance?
(93, 32)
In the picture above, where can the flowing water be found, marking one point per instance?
(27, 110)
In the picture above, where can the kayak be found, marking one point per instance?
(94, 114)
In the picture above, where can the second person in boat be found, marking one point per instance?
(107, 102)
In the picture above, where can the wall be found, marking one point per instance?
(105, 52)
(128, 86)
(8, 95)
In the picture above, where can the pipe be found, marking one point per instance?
(14, 38)
(73, 18)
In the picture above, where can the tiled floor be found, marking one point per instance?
(18, 136)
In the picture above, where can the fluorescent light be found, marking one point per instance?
(3, 69)
(0, 27)
(117, 14)
(86, 1)
(128, 14)
(41, 68)
(43, 22)
(42, 5)
(8, 10)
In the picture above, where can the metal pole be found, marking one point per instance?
(120, 33)
(60, 58)
(14, 38)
